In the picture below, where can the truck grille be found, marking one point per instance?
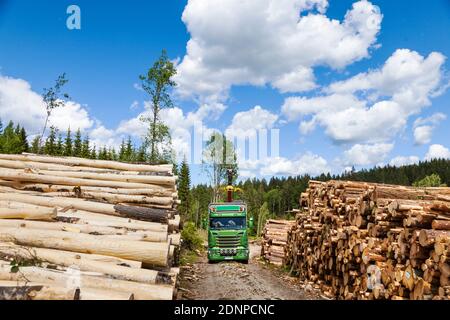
(228, 241)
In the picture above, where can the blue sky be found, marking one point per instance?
(243, 55)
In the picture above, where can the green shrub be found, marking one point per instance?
(429, 181)
(191, 239)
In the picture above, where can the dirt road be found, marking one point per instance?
(237, 281)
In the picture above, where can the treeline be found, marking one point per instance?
(14, 140)
(276, 197)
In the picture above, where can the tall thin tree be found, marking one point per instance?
(53, 98)
(157, 84)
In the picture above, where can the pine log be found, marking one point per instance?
(85, 263)
(7, 174)
(147, 179)
(88, 163)
(139, 213)
(151, 253)
(85, 228)
(441, 225)
(42, 214)
(92, 294)
(146, 214)
(49, 188)
(428, 237)
(13, 290)
(141, 291)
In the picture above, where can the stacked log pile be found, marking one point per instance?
(274, 241)
(358, 240)
(87, 229)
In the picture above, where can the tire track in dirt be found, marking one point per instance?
(238, 281)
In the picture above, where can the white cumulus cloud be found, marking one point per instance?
(275, 42)
(404, 161)
(424, 127)
(365, 155)
(308, 163)
(247, 123)
(373, 107)
(19, 103)
(437, 151)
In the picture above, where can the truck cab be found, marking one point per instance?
(227, 232)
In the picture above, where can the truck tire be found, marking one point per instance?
(245, 261)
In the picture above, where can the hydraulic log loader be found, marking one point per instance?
(227, 229)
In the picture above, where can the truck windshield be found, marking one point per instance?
(227, 223)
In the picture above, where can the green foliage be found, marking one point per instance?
(35, 145)
(53, 98)
(219, 156)
(85, 148)
(17, 262)
(262, 217)
(68, 144)
(157, 83)
(429, 181)
(77, 144)
(50, 144)
(13, 139)
(191, 238)
(184, 186)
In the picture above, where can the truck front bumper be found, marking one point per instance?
(226, 254)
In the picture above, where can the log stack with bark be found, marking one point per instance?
(87, 229)
(274, 241)
(356, 240)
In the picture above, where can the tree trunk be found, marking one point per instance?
(87, 229)
(148, 252)
(89, 163)
(140, 213)
(86, 263)
(12, 290)
(141, 291)
(43, 214)
(441, 225)
(146, 214)
(8, 174)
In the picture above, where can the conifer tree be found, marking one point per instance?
(122, 151)
(184, 188)
(50, 143)
(10, 141)
(94, 153)
(24, 140)
(129, 150)
(68, 145)
(59, 146)
(77, 144)
(141, 155)
(85, 149)
(35, 145)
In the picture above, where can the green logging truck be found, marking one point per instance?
(227, 229)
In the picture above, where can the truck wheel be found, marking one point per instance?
(245, 261)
